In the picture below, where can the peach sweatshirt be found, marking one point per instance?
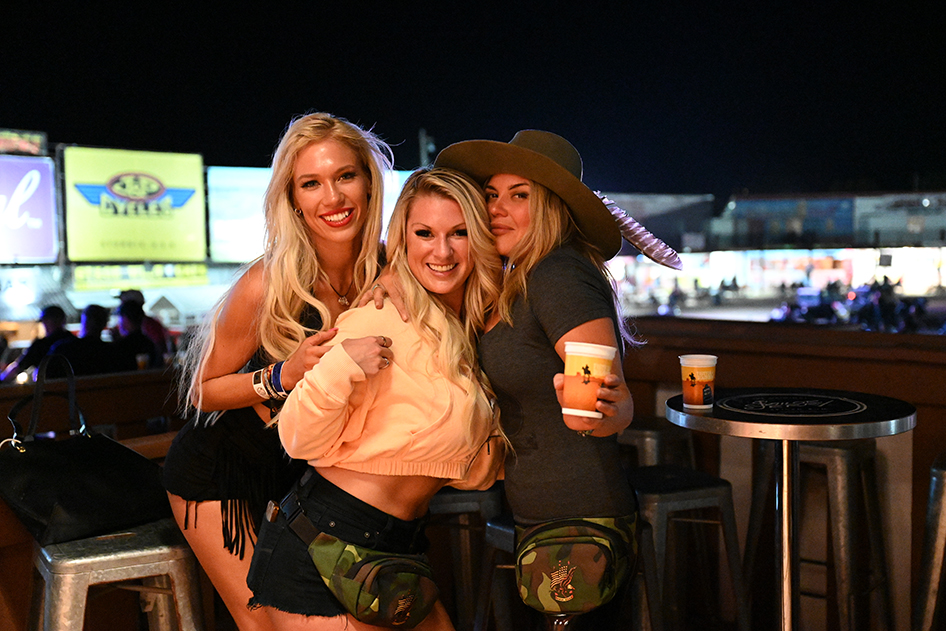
(406, 420)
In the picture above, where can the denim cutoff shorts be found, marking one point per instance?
(282, 574)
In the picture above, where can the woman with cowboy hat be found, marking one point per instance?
(555, 235)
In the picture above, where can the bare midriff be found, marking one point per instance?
(403, 496)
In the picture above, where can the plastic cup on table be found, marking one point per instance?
(699, 381)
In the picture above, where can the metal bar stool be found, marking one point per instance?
(501, 541)
(663, 491)
(155, 553)
(927, 611)
(655, 440)
(464, 505)
(852, 504)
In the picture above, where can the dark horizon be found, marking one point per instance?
(769, 99)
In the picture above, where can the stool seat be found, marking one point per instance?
(662, 479)
(665, 490)
(450, 501)
(656, 440)
(501, 533)
(155, 552)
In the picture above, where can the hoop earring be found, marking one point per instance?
(298, 211)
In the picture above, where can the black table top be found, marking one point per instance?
(796, 414)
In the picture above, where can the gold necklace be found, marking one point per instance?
(342, 298)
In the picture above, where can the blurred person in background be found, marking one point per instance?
(151, 327)
(132, 341)
(53, 319)
(88, 354)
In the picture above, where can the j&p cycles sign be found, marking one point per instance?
(133, 205)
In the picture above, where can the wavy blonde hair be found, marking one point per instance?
(453, 335)
(291, 266)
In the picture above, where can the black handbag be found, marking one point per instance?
(81, 486)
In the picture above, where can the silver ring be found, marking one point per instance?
(387, 362)
(384, 341)
(376, 285)
(585, 432)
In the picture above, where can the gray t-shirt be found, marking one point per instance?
(554, 472)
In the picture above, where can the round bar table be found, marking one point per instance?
(790, 415)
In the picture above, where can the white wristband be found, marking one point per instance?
(258, 384)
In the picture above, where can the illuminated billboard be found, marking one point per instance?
(28, 143)
(393, 183)
(133, 206)
(28, 227)
(235, 209)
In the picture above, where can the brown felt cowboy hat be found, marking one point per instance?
(553, 162)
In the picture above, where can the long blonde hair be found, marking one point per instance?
(453, 335)
(291, 266)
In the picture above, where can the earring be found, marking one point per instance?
(298, 211)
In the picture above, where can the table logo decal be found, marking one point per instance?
(791, 405)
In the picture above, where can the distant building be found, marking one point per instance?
(678, 220)
(807, 221)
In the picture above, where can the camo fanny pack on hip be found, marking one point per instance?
(380, 588)
(572, 566)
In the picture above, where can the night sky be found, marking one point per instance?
(659, 97)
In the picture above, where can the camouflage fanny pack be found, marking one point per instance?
(379, 588)
(572, 566)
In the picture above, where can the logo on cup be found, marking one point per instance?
(585, 368)
(699, 380)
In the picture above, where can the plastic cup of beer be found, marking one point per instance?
(699, 381)
(142, 360)
(586, 366)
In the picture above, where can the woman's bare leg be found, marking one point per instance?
(227, 571)
(437, 620)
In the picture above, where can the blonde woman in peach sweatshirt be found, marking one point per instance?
(386, 422)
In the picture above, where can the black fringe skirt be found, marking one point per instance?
(237, 461)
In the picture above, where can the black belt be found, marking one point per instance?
(295, 516)
(307, 531)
